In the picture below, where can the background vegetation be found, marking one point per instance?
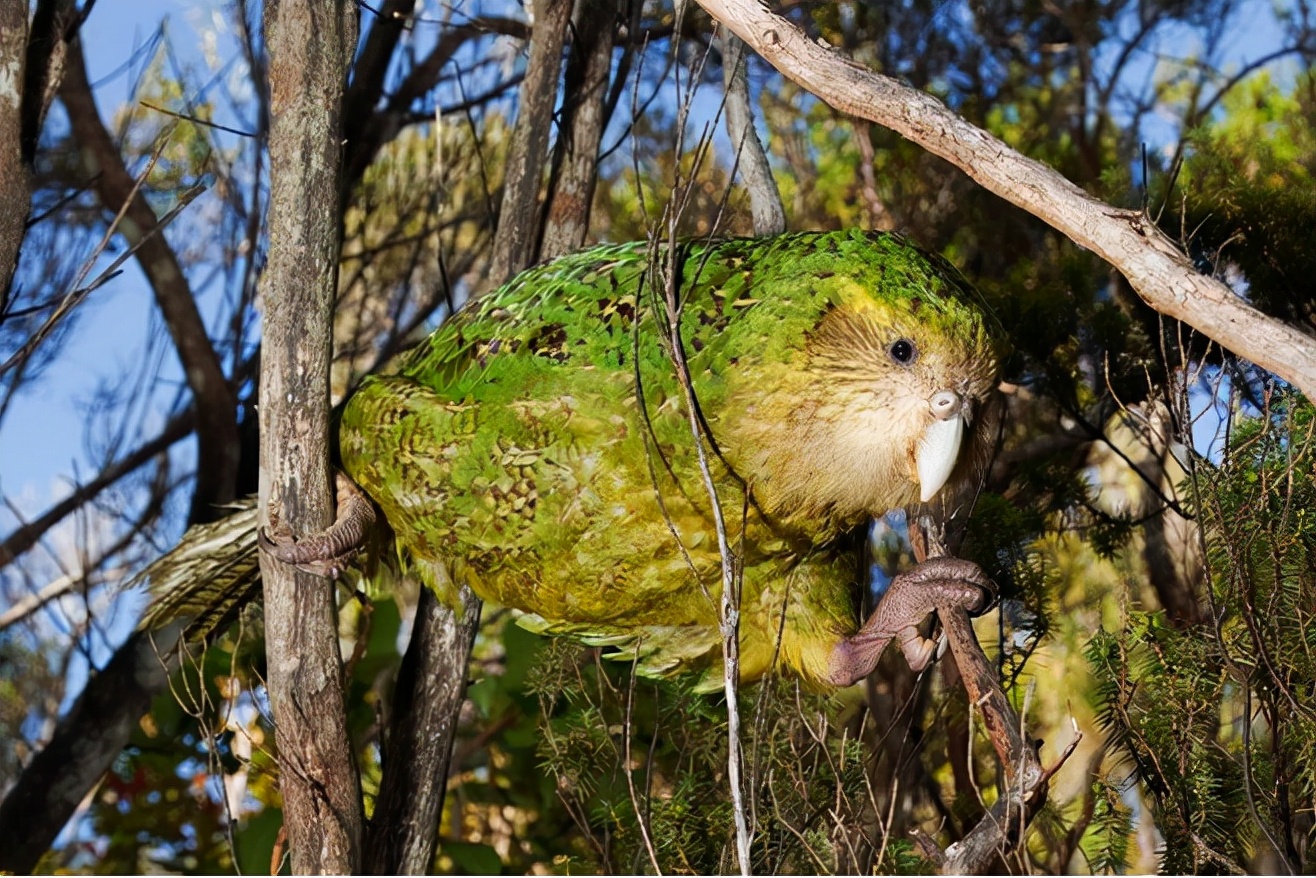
(1151, 516)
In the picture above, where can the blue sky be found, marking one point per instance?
(43, 438)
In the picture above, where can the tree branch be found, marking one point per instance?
(84, 744)
(764, 200)
(26, 535)
(310, 44)
(363, 141)
(576, 154)
(417, 752)
(1154, 266)
(216, 405)
(1024, 782)
(518, 217)
(15, 173)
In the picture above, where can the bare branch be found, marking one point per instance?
(363, 141)
(216, 405)
(56, 588)
(417, 752)
(576, 156)
(26, 536)
(764, 200)
(1154, 266)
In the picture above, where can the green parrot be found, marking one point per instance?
(537, 447)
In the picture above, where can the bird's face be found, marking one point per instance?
(898, 385)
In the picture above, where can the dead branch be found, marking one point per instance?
(1156, 268)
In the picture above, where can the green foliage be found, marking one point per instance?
(1216, 720)
(636, 758)
(1250, 192)
(1106, 842)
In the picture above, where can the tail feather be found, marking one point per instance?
(204, 581)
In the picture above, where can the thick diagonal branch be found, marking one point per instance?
(1157, 269)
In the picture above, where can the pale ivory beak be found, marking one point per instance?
(939, 449)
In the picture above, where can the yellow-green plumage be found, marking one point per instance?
(537, 448)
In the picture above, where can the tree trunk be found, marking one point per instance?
(310, 45)
(431, 685)
(15, 177)
(576, 156)
(518, 218)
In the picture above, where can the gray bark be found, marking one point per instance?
(310, 45)
(765, 205)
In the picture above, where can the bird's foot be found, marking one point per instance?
(937, 582)
(328, 552)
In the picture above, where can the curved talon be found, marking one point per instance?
(919, 650)
(325, 553)
(937, 582)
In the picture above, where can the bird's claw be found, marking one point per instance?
(328, 552)
(937, 582)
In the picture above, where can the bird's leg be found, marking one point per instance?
(937, 582)
(325, 553)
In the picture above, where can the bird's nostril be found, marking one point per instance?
(945, 404)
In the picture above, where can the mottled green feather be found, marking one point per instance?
(536, 447)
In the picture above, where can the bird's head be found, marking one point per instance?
(900, 382)
(884, 405)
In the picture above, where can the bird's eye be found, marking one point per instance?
(903, 351)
